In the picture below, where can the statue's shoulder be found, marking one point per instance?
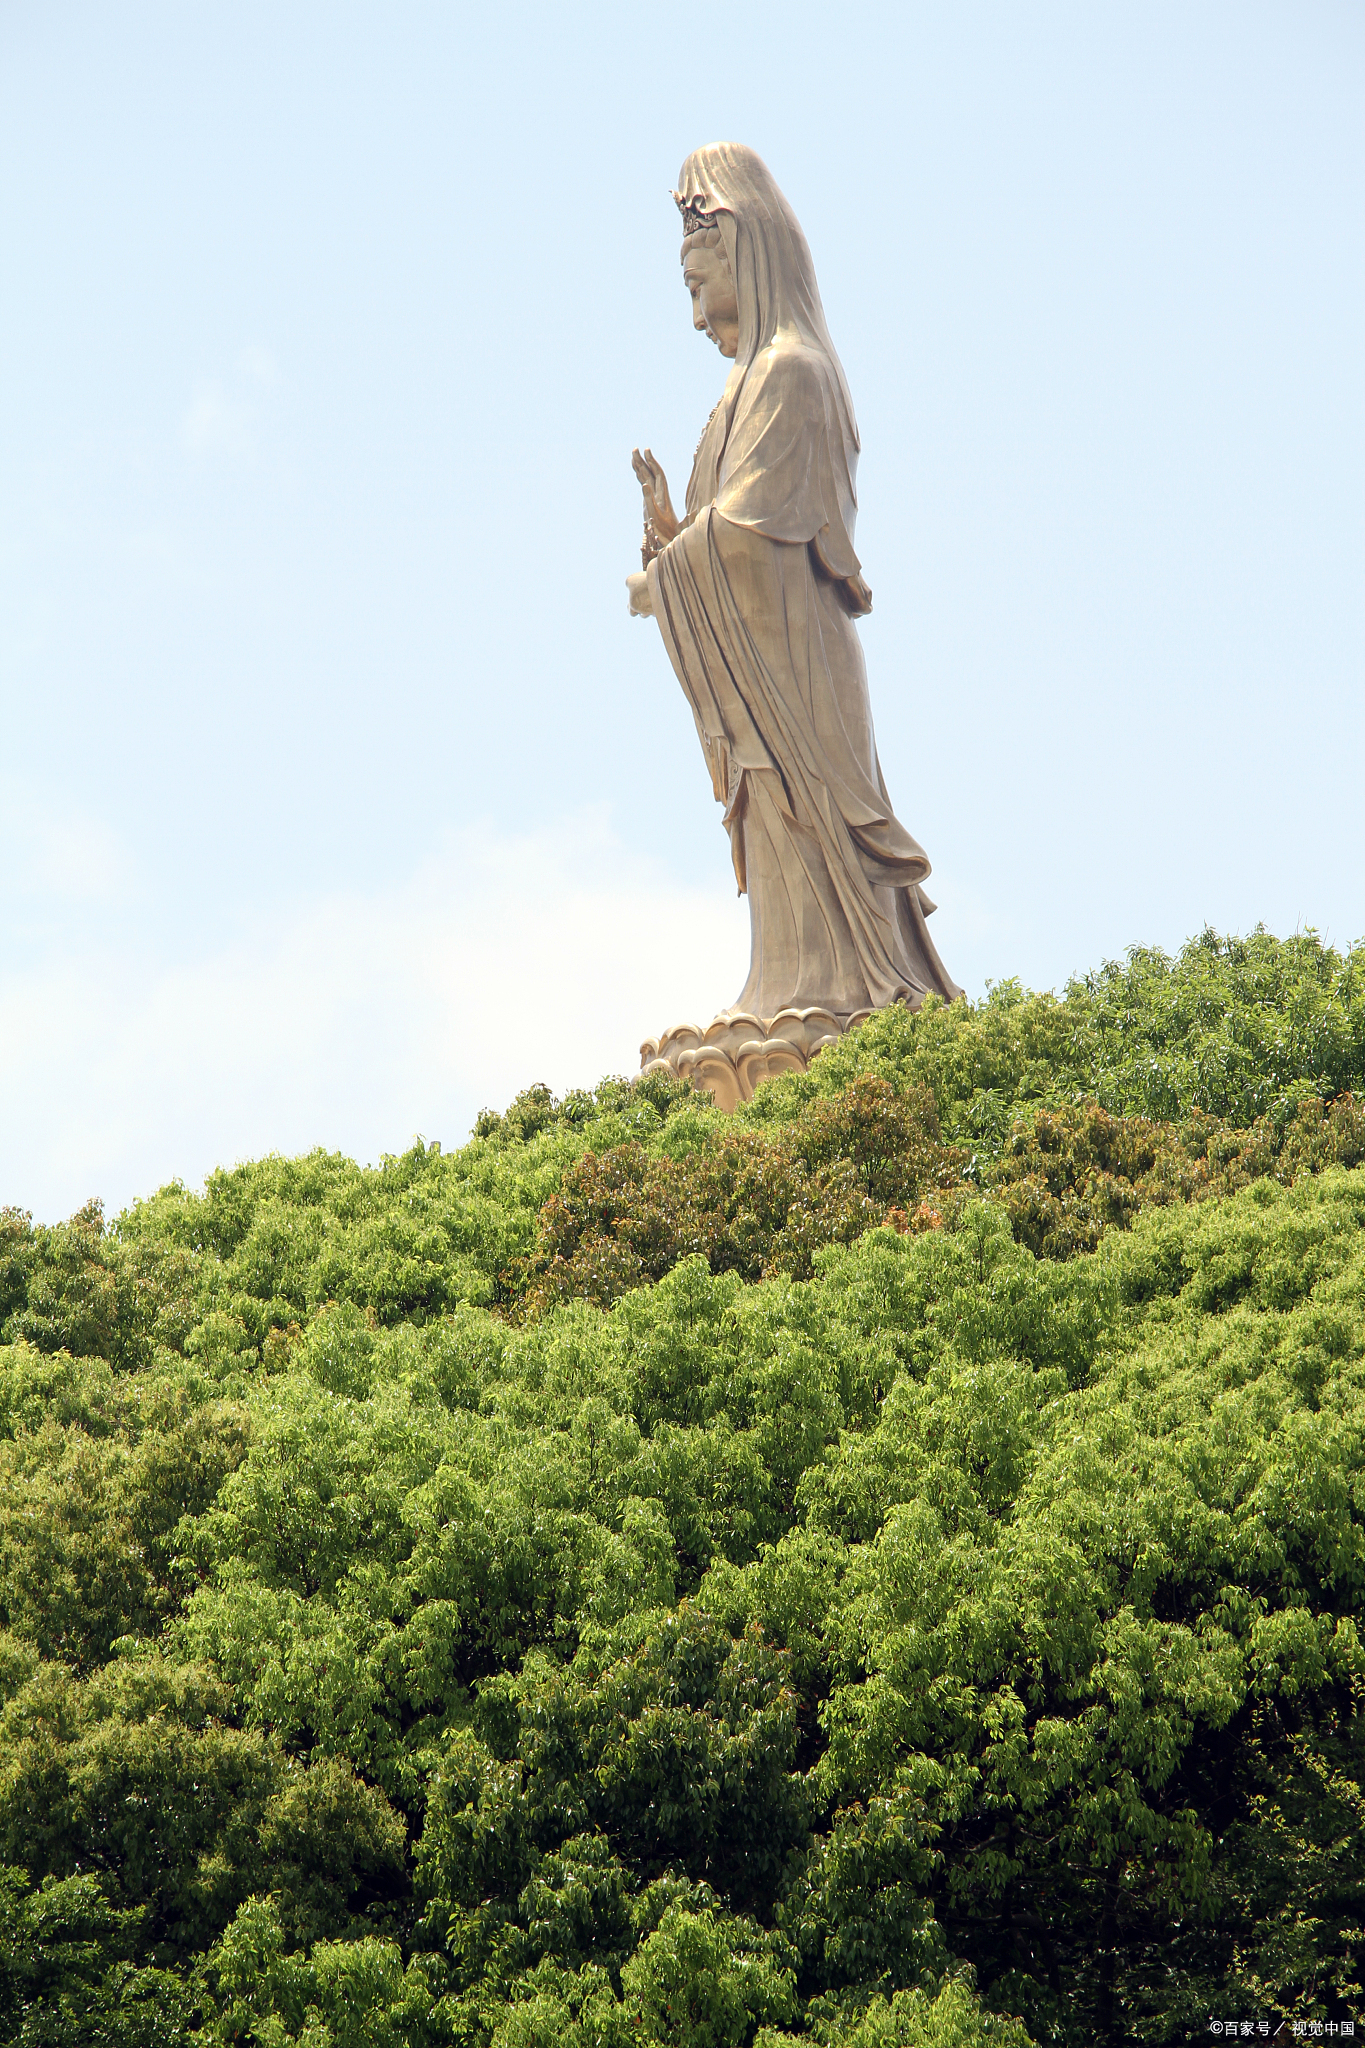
(788, 360)
(784, 377)
(786, 373)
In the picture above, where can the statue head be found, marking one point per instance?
(748, 267)
(709, 279)
(732, 206)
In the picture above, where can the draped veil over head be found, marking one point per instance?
(779, 304)
(756, 598)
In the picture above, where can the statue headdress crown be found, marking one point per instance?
(695, 220)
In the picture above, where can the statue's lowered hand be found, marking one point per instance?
(641, 603)
(658, 505)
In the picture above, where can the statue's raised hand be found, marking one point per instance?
(658, 505)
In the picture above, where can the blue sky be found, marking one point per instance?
(339, 796)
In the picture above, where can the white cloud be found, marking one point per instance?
(358, 1021)
(49, 849)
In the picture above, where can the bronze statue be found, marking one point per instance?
(756, 590)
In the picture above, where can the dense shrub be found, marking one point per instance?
(748, 1201)
(1067, 1175)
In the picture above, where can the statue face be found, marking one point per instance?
(715, 309)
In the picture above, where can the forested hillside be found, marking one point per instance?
(886, 1567)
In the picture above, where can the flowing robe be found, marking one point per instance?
(755, 599)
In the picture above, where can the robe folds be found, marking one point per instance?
(755, 599)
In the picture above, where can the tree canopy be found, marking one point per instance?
(885, 1567)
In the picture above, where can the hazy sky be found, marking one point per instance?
(339, 795)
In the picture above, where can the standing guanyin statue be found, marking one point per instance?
(756, 589)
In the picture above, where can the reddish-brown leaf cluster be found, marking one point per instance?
(749, 1202)
(1069, 1174)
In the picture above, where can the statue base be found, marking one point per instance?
(736, 1051)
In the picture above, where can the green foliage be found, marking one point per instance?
(67, 1976)
(676, 1752)
(705, 1980)
(1238, 1028)
(338, 1994)
(886, 1567)
(96, 1471)
(949, 2017)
